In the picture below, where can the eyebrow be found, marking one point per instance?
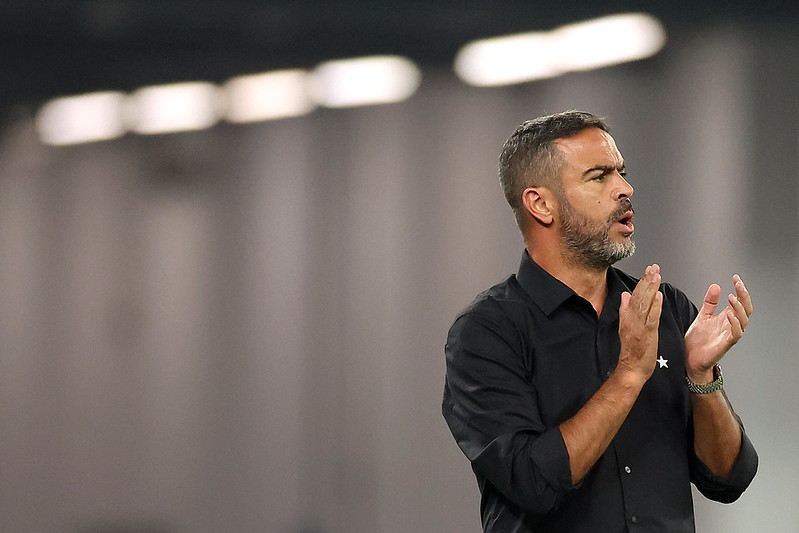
(605, 169)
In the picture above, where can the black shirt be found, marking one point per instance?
(524, 357)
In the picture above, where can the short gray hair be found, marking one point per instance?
(529, 158)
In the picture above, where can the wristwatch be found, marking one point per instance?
(716, 385)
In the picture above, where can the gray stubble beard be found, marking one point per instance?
(587, 242)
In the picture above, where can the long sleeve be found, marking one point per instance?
(726, 490)
(711, 486)
(491, 408)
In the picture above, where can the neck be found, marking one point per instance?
(589, 283)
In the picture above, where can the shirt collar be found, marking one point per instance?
(549, 293)
(545, 290)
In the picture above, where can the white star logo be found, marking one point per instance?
(664, 363)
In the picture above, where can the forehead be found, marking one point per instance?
(589, 148)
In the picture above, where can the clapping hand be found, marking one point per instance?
(711, 336)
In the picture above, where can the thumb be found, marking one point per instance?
(625, 301)
(711, 300)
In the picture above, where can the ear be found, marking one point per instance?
(540, 203)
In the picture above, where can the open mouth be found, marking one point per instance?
(626, 221)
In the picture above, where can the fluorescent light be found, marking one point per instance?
(585, 45)
(267, 96)
(82, 118)
(177, 107)
(364, 81)
(608, 41)
(506, 60)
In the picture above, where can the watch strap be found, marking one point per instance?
(716, 385)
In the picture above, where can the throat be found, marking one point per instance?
(598, 304)
(592, 286)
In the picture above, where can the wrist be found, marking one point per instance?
(704, 385)
(629, 378)
(701, 377)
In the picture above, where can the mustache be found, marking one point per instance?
(624, 206)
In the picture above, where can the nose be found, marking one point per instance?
(624, 189)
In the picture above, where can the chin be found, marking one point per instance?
(621, 250)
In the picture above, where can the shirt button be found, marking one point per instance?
(628, 469)
(634, 519)
(608, 373)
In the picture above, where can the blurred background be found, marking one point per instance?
(236, 322)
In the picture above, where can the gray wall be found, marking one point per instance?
(242, 329)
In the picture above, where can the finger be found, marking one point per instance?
(743, 294)
(735, 327)
(639, 289)
(643, 281)
(711, 300)
(646, 289)
(737, 308)
(653, 318)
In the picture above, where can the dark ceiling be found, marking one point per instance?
(54, 47)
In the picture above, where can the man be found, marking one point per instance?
(585, 399)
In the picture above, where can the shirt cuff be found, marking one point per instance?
(553, 460)
(743, 472)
